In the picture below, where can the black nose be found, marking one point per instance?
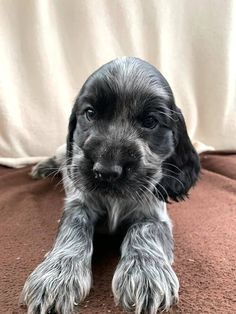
(107, 172)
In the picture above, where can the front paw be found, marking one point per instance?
(145, 285)
(45, 168)
(55, 286)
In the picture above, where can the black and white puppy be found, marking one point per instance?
(127, 154)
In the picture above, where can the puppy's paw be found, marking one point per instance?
(145, 285)
(44, 168)
(56, 286)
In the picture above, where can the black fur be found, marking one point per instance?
(183, 164)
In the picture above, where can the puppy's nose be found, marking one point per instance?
(107, 172)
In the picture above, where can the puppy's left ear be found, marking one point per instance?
(181, 169)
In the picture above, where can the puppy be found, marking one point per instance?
(127, 154)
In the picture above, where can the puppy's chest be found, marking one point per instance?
(114, 212)
(118, 214)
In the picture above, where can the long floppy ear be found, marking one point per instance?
(71, 129)
(181, 169)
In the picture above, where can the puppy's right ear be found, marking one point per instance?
(70, 135)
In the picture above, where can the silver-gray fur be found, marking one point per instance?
(64, 278)
(144, 280)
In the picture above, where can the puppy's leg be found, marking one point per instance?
(64, 277)
(144, 280)
(50, 165)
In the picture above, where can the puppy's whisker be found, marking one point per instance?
(180, 171)
(130, 195)
(147, 194)
(172, 165)
(140, 201)
(169, 176)
(172, 171)
(157, 190)
(144, 202)
(154, 182)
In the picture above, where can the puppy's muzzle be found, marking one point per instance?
(112, 161)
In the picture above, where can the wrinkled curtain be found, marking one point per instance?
(48, 48)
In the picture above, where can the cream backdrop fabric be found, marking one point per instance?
(48, 48)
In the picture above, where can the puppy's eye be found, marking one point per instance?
(90, 114)
(149, 122)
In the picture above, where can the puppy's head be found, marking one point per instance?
(127, 136)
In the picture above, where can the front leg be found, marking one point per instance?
(64, 277)
(144, 280)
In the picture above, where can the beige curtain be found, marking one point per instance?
(48, 48)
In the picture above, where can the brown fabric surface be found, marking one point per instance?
(204, 232)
